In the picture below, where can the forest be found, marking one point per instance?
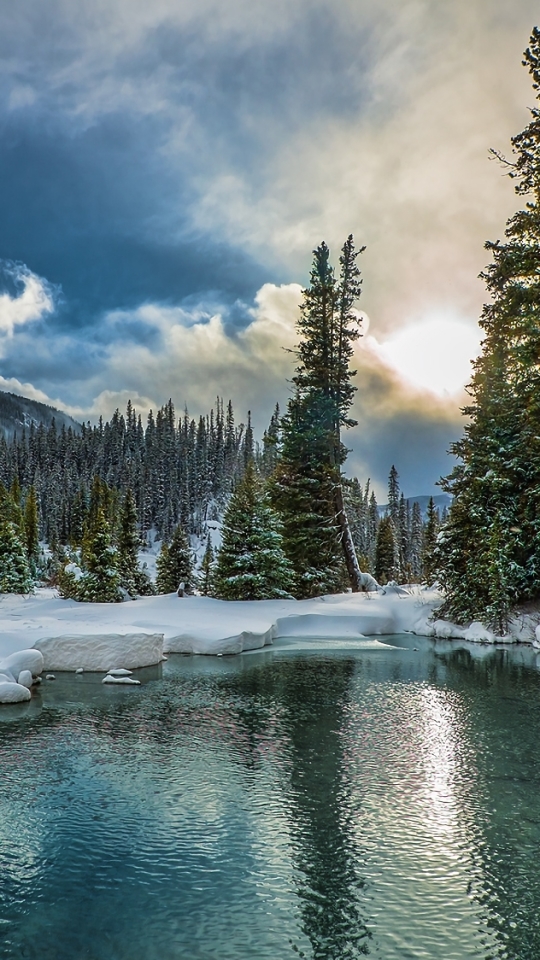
(293, 524)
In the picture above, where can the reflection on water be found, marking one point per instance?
(325, 803)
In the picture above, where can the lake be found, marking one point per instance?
(321, 800)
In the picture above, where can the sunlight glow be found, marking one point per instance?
(435, 354)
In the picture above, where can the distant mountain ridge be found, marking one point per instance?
(18, 413)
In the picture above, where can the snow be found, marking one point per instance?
(17, 673)
(100, 651)
(117, 638)
(110, 678)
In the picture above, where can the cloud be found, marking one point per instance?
(164, 162)
(32, 303)
(192, 355)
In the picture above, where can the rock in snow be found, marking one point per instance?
(17, 673)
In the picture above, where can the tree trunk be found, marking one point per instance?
(359, 580)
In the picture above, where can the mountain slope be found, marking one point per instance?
(17, 413)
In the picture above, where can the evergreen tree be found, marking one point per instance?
(308, 480)
(31, 528)
(131, 577)
(386, 552)
(251, 564)
(174, 564)
(100, 581)
(429, 553)
(206, 572)
(496, 485)
(416, 543)
(15, 574)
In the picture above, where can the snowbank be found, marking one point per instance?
(104, 637)
(102, 651)
(74, 636)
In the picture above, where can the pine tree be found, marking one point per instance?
(174, 564)
(15, 574)
(496, 486)
(131, 577)
(206, 572)
(251, 564)
(429, 553)
(31, 528)
(416, 543)
(386, 552)
(308, 480)
(100, 581)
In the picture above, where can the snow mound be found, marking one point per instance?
(101, 652)
(11, 692)
(17, 674)
(218, 645)
(111, 678)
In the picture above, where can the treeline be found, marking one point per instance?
(178, 470)
(401, 544)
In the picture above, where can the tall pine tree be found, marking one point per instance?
(489, 547)
(307, 486)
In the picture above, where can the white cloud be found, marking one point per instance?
(34, 301)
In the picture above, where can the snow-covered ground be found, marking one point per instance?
(101, 637)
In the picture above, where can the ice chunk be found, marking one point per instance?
(25, 679)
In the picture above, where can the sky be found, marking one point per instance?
(167, 169)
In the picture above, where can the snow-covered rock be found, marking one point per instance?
(17, 673)
(11, 692)
(101, 651)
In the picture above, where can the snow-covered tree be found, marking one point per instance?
(15, 574)
(429, 552)
(492, 533)
(308, 481)
(206, 571)
(251, 563)
(130, 575)
(174, 564)
(386, 552)
(99, 582)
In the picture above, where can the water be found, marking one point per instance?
(317, 800)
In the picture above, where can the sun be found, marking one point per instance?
(434, 354)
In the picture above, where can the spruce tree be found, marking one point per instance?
(307, 487)
(100, 581)
(429, 552)
(174, 564)
(31, 528)
(131, 577)
(15, 574)
(386, 552)
(206, 571)
(493, 527)
(251, 564)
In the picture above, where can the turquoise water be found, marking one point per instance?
(317, 800)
